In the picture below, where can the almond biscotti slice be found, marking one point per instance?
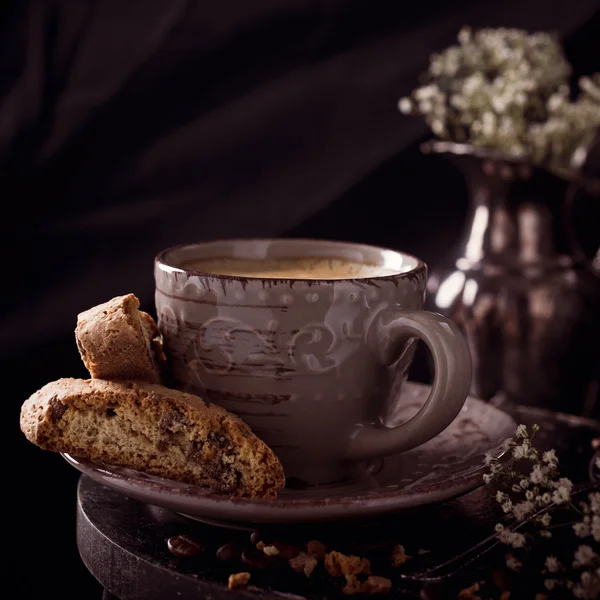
(116, 340)
(154, 429)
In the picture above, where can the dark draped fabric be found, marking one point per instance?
(127, 126)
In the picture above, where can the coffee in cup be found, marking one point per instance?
(288, 268)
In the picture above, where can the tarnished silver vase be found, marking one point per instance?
(519, 287)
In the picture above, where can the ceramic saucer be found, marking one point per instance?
(446, 466)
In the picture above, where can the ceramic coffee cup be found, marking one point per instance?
(309, 342)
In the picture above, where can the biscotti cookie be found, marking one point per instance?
(116, 340)
(154, 429)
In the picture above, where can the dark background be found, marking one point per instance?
(128, 126)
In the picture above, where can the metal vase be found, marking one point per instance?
(517, 284)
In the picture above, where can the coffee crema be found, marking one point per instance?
(306, 267)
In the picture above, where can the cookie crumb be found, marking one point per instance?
(316, 548)
(505, 595)
(238, 580)
(376, 585)
(353, 586)
(260, 545)
(469, 593)
(399, 556)
(270, 550)
(303, 563)
(255, 537)
(338, 564)
(421, 551)
(540, 597)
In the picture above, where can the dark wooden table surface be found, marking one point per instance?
(123, 542)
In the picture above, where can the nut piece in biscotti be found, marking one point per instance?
(153, 429)
(156, 341)
(117, 340)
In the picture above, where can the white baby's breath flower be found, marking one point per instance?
(464, 35)
(500, 103)
(405, 105)
(584, 555)
(567, 483)
(488, 458)
(437, 126)
(508, 443)
(522, 510)
(521, 431)
(550, 584)
(595, 529)
(589, 586)
(505, 536)
(521, 496)
(459, 102)
(505, 72)
(597, 462)
(487, 478)
(520, 452)
(555, 102)
(552, 564)
(513, 563)
(581, 529)
(425, 106)
(594, 498)
(517, 150)
(427, 92)
(512, 538)
(536, 476)
(488, 123)
(549, 471)
(520, 98)
(561, 495)
(472, 84)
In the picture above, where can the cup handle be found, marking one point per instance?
(451, 382)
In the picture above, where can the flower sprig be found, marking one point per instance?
(508, 90)
(531, 491)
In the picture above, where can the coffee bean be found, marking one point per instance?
(228, 551)
(255, 537)
(256, 559)
(286, 551)
(184, 545)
